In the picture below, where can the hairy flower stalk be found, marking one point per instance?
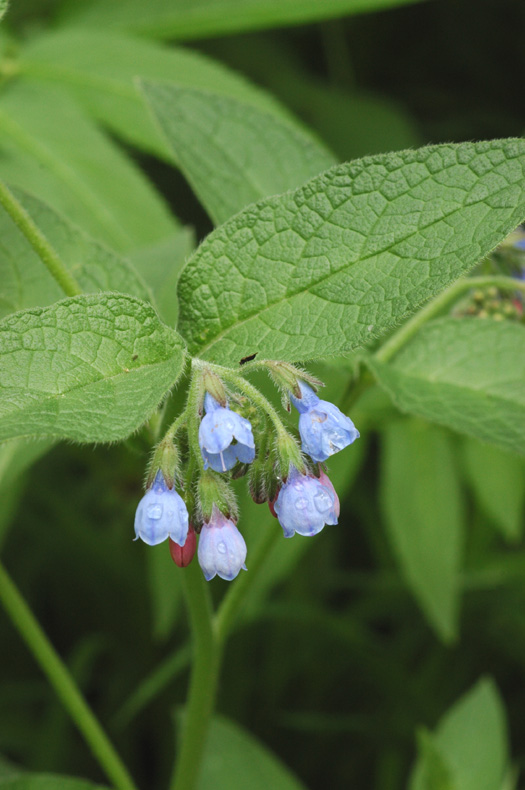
(222, 444)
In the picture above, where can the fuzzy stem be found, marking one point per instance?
(203, 683)
(433, 308)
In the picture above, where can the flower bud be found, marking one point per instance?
(183, 555)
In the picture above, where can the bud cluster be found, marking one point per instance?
(231, 431)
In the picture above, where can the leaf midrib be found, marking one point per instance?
(288, 296)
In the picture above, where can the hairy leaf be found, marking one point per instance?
(25, 281)
(100, 68)
(90, 368)
(465, 373)
(49, 147)
(321, 270)
(187, 19)
(232, 153)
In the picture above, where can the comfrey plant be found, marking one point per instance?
(221, 446)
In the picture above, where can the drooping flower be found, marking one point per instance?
(305, 504)
(324, 429)
(222, 550)
(161, 513)
(224, 437)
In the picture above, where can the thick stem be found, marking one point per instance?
(437, 305)
(59, 677)
(203, 682)
(39, 243)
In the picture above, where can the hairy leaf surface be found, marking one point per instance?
(90, 368)
(321, 270)
(465, 373)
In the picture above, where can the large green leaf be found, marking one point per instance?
(232, 153)
(323, 269)
(471, 741)
(235, 759)
(498, 482)
(49, 147)
(160, 265)
(465, 373)
(24, 280)
(90, 368)
(46, 782)
(100, 68)
(185, 19)
(421, 498)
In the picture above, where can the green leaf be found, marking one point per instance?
(49, 147)
(232, 154)
(321, 270)
(161, 265)
(422, 504)
(432, 773)
(465, 373)
(187, 19)
(100, 68)
(3, 8)
(90, 368)
(498, 481)
(25, 281)
(46, 782)
(234, 758)
(472, 740)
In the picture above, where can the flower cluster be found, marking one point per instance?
(221, 447)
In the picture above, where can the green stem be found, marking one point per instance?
(203, 682)
(238, 591)
(59, 677)
(437, 305)
(39, 243)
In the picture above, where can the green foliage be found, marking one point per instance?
(3, 8)
(49, 147)
(498, 482)
(46, 782)
(232, 153)
(466, 374)
(26, 282)
(187, 19)
(424, 517)
(234, 758)
(100, 68)
(324, 269)
(468, 749)
(89, 368)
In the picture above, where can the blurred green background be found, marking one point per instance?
(340, 655)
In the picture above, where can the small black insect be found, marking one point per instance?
(244, 360)
(134, 357)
